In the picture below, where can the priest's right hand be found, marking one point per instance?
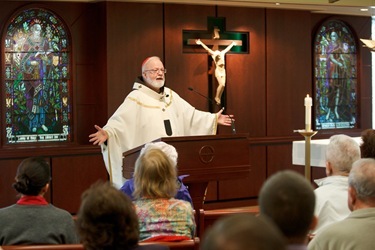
(99, 137)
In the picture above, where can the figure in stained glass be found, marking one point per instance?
(36, 66)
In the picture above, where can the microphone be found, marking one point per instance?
(168, 127)
(209, 99)
(231, 120)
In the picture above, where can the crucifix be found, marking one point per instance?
(216, 42)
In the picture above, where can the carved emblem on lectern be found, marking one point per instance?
(206, 154)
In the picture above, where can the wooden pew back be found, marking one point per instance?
(208, 217)
(192, 244)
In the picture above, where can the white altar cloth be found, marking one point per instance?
(318, 152)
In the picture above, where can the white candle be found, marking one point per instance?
(308, 104)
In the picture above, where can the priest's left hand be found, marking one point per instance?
(225, 120)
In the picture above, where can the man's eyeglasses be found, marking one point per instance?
(155, 71)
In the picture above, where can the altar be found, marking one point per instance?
(318, 150)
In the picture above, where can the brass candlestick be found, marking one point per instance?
(307, 134)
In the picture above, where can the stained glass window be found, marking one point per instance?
(335, 76)
(37, 78)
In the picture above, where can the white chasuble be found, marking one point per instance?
(145, 116)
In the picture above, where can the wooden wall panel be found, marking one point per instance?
(279, 157)
(8, 170)
(73, 175)
(246, 77)
(89, 70)
(90, 108)
(247, 188)
(288, 70)
(186, 69)
(134, 32)
(246, 73)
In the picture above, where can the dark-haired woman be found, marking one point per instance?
(32, 220)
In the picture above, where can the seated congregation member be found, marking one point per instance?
(332, 193)
(368, 143)
(161, 216)
(357, 230)
(32, 220)
(243, 232)
(170, 151)
(107, 220)
(288, 199)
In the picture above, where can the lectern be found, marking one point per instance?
(204, 159)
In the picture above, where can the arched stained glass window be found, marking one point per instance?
(335, 76)
(37, 78)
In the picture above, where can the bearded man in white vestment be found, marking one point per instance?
(149, 112)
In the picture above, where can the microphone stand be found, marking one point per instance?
(210, 100)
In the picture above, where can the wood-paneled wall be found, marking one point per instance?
(265, 87)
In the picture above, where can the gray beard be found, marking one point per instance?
(157, 84)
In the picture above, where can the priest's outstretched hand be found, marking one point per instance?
(225, 120)
(99, 137)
